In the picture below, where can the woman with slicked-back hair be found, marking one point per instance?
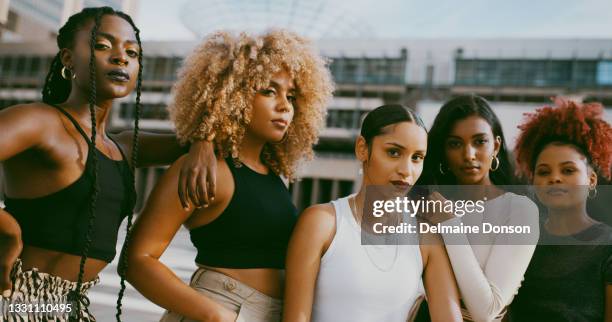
(332, 275)
(69, 184)
(562, 149)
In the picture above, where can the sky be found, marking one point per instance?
(162, 19)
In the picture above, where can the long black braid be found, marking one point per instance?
(123, 257)
(57, 89)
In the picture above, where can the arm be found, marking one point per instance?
(311, 237)
(487, 291)
(153, 231)
(608, 307)
(21, 131)
(22, 128)
(197, 179)
(440, 285)
(10, 248)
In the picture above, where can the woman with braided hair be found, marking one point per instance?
(69, 184)
(562, 149)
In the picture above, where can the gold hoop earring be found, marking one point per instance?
(63, 73)
(494, 168)
(594, 194)
(440, 168)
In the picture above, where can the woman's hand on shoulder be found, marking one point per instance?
(198, 175)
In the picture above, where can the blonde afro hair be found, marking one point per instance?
(217, 83)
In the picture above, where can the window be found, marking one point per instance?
(604, 73)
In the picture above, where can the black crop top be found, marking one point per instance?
(59, 221)
(254, 230)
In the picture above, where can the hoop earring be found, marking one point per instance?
(493, 169)
(63, 73)
(594, 194)
(440, 168)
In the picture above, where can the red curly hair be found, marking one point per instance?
(578, 124)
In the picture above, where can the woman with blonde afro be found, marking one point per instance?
(261, 101)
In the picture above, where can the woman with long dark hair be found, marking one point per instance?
(68, 183)
(468, 149)
(562, 149)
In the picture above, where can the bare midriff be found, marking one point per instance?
(60, 264)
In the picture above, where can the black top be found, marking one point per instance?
(566, 278)
(254, 230)
(59, 221)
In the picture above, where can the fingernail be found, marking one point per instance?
(212, 198)
(6, 293)
(206, 206)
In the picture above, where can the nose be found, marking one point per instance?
(284, 105)
(555, 177)
(119, 57)
(405, 170)
(469, 152)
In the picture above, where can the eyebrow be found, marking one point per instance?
(277, 85)
(473, 136)
(395, 145)
(562, 163)
(112, 38)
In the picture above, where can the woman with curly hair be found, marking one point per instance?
(262, 101)
(562, 149)
(467, 153)
(69, 183)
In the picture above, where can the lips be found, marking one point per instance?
(400, 184)
(280, 123)
(119, 75)
(470, 169)
(556, 191)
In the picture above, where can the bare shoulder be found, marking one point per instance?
(318, 224)
(34, 112)
(320, 215)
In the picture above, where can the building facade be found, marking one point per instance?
(35, 20)
(515, 75)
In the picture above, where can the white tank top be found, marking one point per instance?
(368, 283)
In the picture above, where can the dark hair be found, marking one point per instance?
(376, 120)
(452, 111)
(57, 89)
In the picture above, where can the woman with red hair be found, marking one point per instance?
(562, 149)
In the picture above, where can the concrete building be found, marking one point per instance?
(516, 75)
(34, 20)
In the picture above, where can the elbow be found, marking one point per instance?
(133, 267)
(485, 314)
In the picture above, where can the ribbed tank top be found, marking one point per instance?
(365, 283)
(254, 230)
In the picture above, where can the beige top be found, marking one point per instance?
(489, 268)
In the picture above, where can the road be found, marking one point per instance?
(179, 257)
